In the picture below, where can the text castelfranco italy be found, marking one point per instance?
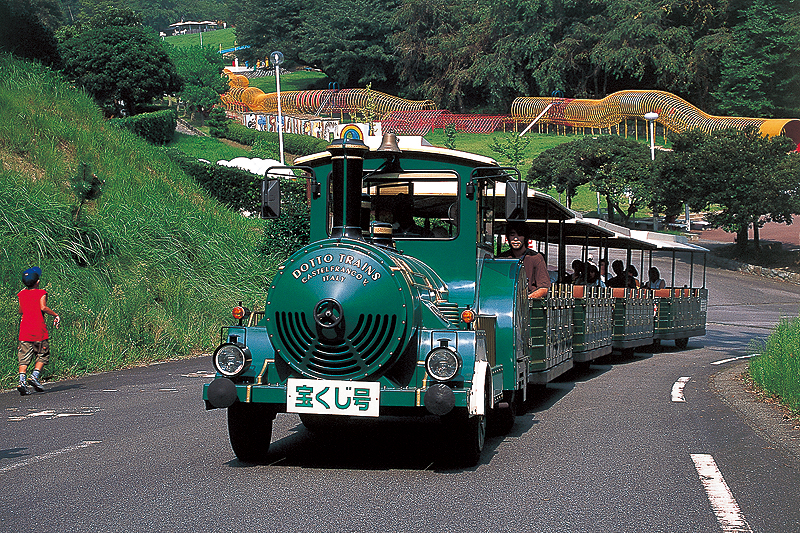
(330, 270)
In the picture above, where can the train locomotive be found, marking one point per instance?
(400, 307)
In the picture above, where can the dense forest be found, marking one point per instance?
(728, 57)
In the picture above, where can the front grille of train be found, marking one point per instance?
(360, 352)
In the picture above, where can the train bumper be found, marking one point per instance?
(222, 393)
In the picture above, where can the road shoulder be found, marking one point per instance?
(769, 420)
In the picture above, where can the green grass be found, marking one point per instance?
(218, 38)
(146, 272)
(299, 80)
(208, 148)
(777, 369)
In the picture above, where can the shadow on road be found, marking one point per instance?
(391, 443)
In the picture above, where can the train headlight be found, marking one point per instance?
(232, 359)
(442, 363)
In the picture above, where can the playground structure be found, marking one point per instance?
(611, 114)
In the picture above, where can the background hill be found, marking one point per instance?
(148, 270)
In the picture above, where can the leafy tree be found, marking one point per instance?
(748, 179)
(27, 29)
(156, 14)
(760, 73)
(199, 68)
(450, 136)
(617, 168)
(511, 147)
(217, 122)
(347, 40)
(436, 45)
(269, 25)
(121, 67)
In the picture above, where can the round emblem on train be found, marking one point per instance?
(340, 310)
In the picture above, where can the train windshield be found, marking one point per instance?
(418, 205)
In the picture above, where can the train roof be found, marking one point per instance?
(414, 152)
(645, 240)
(538, 202)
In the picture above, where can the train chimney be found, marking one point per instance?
(347, 168)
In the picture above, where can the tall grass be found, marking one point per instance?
(777, 368)
(148, 271)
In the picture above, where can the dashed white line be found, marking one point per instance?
(723, 361)
(49, 455)
(726, 509)
(677, 389)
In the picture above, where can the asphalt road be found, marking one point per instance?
(608, 448)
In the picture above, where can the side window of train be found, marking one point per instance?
(487, 211)
(417, 205)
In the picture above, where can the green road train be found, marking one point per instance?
(400, 307)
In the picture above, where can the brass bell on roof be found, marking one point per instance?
(389, 144)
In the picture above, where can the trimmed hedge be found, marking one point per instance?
(157, 127)
(233, 187)
(292, 143)
(241, 190)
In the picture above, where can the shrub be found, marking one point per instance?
(233, 187)
(291, 231)
(292, 143)
(157, 127)
(217, 122)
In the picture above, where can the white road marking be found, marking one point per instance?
(200, 374)
(729, 515)
(677, 389)
(49, 455)
(723, 361)
(50, 414)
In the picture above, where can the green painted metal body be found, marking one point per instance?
(398, 305)
(593, 323)
(633, 318)
(681, 313)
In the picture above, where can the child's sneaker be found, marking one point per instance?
(36, 385)
(23, 389)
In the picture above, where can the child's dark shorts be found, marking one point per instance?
(27, 349)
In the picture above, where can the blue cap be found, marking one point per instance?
(31, 276)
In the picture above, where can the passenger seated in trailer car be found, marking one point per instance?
(619, 279)
(535, 268)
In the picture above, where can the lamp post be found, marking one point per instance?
(651, 120)
(277, 59)
(651, 117)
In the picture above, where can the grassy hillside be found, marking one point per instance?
(225, 38)
(147, 271)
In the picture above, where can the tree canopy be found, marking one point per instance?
(748, 179)
(617, 168)
(479, 55)
(122, 67)
(199, 68)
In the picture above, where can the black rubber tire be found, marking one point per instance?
(250, 430)
(627, 353)
(681, 344)
(502, 419)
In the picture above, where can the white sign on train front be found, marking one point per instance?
(333, 397)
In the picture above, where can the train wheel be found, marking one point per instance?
(473, 438)
(504, 415)
(250, 430)
(681, 344)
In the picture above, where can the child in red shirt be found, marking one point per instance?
(33, 335)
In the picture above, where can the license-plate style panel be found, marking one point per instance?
(333, 397)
